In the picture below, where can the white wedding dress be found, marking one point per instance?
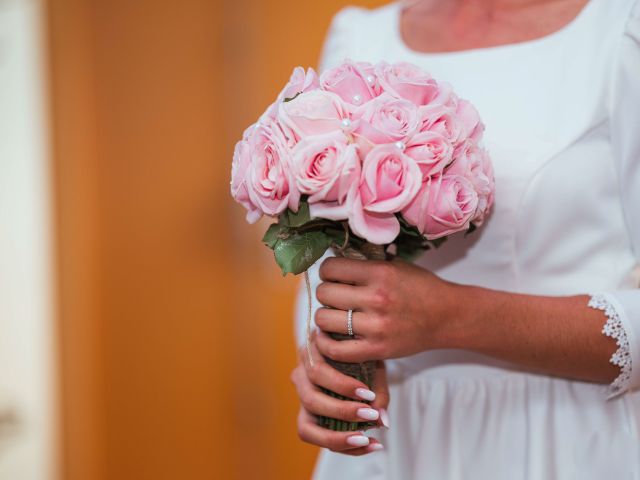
(562, 117)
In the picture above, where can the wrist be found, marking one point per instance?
(462, 323)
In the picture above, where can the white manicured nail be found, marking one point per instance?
(358, 441)
(375, 447)
(384, 417)
(368, 413)
(365, 394)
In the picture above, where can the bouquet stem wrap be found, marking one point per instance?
(365, 372)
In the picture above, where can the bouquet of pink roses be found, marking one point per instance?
(372, 160)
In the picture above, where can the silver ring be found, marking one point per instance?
(350, 323)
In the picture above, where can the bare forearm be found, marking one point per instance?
(402, 309)
(558, 336)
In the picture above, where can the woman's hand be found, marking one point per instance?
(314, 402)
(399, 309)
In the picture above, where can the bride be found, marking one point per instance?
(512, 353)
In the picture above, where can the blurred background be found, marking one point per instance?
(145, 332)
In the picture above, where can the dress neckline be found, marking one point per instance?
(562, 32)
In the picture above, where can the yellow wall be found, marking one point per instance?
(175, 326)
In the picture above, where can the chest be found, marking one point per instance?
(473, 24)
(557, 225)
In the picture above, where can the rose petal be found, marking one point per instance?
(376, 228)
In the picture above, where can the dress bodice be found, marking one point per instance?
(562, 116)
(558, 225)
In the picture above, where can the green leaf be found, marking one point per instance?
(408, 229)
(409, 247)
(472, 228)
(296, 253)
(408, 252)
(299, 218)
(337, 236)
(283, 219)
(438, 241)
(288, 99)
(272, 235)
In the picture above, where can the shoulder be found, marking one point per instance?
(361, 24)
(365, 17)
(632, 26)
(625, 89)
(607, 32)
(356, 30)
(626, 33)
(617, 16)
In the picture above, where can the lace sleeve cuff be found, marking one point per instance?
(614, 328)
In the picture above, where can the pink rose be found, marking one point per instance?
(355, 83)
(445, 96)
(473, 163)
(269, 180)
(442, 119)
(443, 206)
(313, 113)
(325, 168)
(467, 160)
(249, 131)
(431, 151)
(389, 182)
(299, 82)
(286, 134)
(484, 183)
(239, 171)
(407, 81)
(385, 120)
(470, 119)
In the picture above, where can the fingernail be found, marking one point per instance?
(384, 417)
(368, 413)
(358, 441)
(365, 394)
(375, 447)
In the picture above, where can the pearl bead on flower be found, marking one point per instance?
(357, 99)
(370, 79)
(400, 145)
(346, 123)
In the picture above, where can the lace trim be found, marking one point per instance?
(613, 328)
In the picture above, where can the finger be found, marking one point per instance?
(349, 351)
(321, 404)
(310, 432)
(345, 270)
(381, 389)
(341, 296)
(374, 446)
(380, 386)
(335, 321)
(324, 375)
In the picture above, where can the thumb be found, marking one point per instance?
(381, 389)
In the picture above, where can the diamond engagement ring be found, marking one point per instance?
(350, 323)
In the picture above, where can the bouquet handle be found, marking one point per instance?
(365, 371)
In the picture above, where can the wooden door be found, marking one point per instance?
(176, 331)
